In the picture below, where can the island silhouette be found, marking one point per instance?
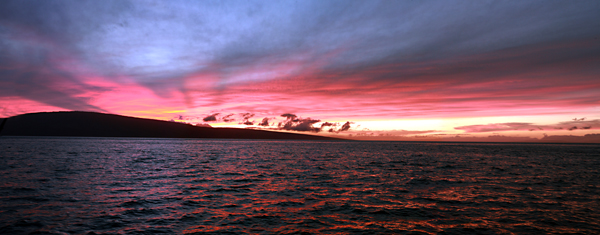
(92, 124)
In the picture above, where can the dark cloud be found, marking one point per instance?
(293, 123)
(329, 124)
(301, 125)
(345, 127)
(211, 118)
(325, 124)
(289, 116)
(228, 118)
(264, 122)
(246, 117)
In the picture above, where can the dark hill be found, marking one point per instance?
(109, 125)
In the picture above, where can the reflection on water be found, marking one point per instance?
(129, 186)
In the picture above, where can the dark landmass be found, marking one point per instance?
(588, 138)
(90, 124)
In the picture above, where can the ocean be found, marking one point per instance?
(211, 186)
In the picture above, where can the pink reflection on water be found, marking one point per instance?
(193, 186)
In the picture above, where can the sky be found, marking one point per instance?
(380, 70)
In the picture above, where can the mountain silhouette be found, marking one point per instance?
(91, 124)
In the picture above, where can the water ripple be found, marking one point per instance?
(185, 186)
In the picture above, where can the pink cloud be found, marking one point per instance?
(516, 81)
(552, 78)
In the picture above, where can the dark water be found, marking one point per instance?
(149, 186)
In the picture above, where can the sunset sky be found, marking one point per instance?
(391, 70)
